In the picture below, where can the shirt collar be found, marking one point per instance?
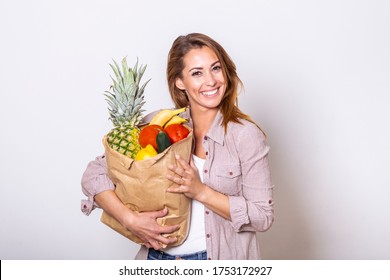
(216, 131)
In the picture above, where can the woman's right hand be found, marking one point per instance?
(143, 225)
(146, 228)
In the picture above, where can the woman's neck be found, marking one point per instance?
(202, 120)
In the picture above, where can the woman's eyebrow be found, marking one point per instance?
(200, 68)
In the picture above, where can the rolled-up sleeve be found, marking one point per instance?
(94, 181)
(252, 210)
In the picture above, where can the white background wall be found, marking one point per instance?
(316, 77)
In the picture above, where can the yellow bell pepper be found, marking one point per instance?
(146, 152)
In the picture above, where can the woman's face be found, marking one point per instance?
(202, 79)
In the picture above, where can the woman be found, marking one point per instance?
(228, 177)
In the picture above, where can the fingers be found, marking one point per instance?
(179, 189)
(152, 234)
(160, 213)
(176, 179)
(178, 171)
(168, 229)
(182, 167)
(156, 246)
(160, 243)
(181, 161)
(157, 241)
(153, 244)
(161, 240)
(183, 172)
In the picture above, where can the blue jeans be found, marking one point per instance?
(159, 255)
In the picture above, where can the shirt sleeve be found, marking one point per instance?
(94, 181)
(253, 210)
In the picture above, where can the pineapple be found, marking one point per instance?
(125, 100)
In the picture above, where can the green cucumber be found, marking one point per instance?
(162, 141)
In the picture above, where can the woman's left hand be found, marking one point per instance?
(187, 177)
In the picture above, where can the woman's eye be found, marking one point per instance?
(196, 73)
(217, 68)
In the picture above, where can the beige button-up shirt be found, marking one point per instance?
(236, 165)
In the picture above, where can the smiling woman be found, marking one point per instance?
(228, 177)
(202, 79)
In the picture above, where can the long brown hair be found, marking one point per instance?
(180, 47)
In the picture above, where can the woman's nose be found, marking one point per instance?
(210, 80)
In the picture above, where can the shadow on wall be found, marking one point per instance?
(290, 235)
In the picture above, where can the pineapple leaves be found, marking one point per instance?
(125, 98)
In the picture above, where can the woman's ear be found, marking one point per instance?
(179, 84)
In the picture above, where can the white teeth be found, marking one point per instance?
(209, 93)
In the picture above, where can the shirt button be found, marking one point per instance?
(85, 206)
(208, 235)
(230, 173)
(205, 171)
(207, 153)
(207, 212)
(205, 138)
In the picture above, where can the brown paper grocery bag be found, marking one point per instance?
(141, 186)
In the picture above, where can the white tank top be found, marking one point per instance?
(196, 240)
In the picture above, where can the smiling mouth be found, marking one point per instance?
(210, 93)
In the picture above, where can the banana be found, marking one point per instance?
(175, 119)
(164, 116)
